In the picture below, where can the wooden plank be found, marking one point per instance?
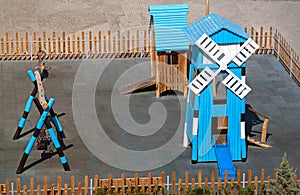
(199, 179)
(18, 186)
(24, 190)
(86, 185)
(45, 185)
(38, 189)
(66, 189)
(83, 55)
(73, 45)
(264, 145)
(54, 45)
(173, 182)
(64, 49)
(249, 178)
(137, 85)
(58, 185)
(31, 186)
(72, 184)
(27, 45)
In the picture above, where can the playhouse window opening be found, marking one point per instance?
(172, 58)
(220, 129)
(219, 90)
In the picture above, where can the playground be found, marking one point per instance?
(274, 94)
(165, 98)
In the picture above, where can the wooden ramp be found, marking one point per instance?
(137, 85)
(261, 144)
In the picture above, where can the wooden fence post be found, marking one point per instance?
(199, 179)
(150, 183)
(255, 185)
(186, 180)
(123, 183)
(249, 178)
(213, 181)
(58, 185)
(72, 185)
(66, 188)
(79, 190)
(262, 181)
(24, 190)
(96, 183)
(52, 189)
(38, 189)
(173, 182)
(179, 186)
(86, 185)
(31, 186)
(18, 186)
(45, 185)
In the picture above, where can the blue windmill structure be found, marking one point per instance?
(215, 113)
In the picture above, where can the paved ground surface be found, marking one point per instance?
(274, 94)
(78, 15)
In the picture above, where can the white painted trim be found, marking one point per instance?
(195, 126)
(243, 133)
(185, 137)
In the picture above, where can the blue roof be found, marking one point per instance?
(213, 24)
(169, 21)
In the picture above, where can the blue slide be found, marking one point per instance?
(225, 161)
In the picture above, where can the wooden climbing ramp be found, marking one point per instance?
(137, 85)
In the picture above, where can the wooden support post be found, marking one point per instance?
(73, 45)
(64, 45)
(193, 183)
(17, 53)
(163, 181)
(96, 183)
(45, 186)
(83, 45)
(27, 45)
(136, 182)
(206, 7)
(69, 48)
(255, 185)
(262, 182)
(109, 42)
(34, 46)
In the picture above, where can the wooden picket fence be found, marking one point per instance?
(82, 45)
(126, 44)
(271, 41)
(150, 185)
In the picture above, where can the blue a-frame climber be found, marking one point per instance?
(45, 110)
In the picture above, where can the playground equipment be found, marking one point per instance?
(215, 113)
(45, 107)
(169, 50)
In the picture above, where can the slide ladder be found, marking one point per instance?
(224, 161)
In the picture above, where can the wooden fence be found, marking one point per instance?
(271, 41)
(127, 44)
(149, 185)
(75, 46)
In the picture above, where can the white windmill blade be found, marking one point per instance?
(237, 86)
(202, 80)
(211, 48)
(245, 51)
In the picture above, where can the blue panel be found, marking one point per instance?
(57, 123)
(219, 110)
(169, 20)
(63, 159)
(244, 148)
(205, 146)
(211, 25)
(28, 104)
(194, 148)
(234, 110)
(30, 145)
(22, 122)
(31, 75)
(53, 138)
(227, 37)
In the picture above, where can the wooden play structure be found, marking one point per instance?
(169, 47)
(46, 119)
(265, 122)
(215, 113)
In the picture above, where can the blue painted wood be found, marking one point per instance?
(212, 25)
(169, 20)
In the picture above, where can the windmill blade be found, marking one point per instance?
(211, 48)
(246, 50)
(237, 86)
(202, 80)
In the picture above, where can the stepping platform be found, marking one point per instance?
(258, 143)
(137, 85)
